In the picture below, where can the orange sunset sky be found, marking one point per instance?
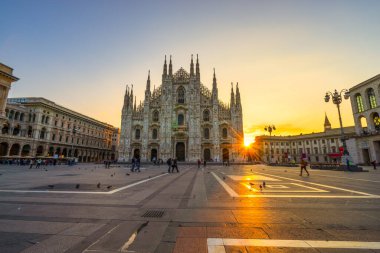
(284, 54)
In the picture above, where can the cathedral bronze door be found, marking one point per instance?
(153, 154)
(207, 154)
(226, 155)
(180, 151)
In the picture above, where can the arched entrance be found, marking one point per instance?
(153, 153)
(180, 151)
(15, 149)
(4, 149)
(64, 152)
(51, 151)
(207, 154)
(25, 150)
(226, 154)
(136, 153)
(40, 151)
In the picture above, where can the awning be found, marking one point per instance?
(334, 155)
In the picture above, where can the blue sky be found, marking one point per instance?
(284, 54)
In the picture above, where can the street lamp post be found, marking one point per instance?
(337, 100)
(270, 129)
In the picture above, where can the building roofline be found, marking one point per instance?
(12, 77)
(365, 82)
(35, 100)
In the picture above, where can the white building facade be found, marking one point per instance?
(322, 147)
(365, 102)
(181, 118)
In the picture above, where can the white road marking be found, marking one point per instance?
(322, 185)
(252, 178)
(85, 192)
(318, 172)
(225, 186)
(232, 193)
(278, 186)
(350, 178)
(216, 245)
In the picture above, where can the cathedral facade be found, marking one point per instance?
(181, 118)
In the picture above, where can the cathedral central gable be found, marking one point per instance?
(181, 76)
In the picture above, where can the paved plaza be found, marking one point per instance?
(88, 208)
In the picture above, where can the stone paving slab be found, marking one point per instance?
(16, 242)
(36, 227)
(54, 244)
(82, 229)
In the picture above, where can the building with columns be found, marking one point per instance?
(181, 118)
(39, 127)
(365, 103)
(6, 80)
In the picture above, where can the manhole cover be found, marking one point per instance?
(153, 213)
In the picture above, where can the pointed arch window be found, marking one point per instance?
(156, 116)
(154, 134)
(371, 98)
(181, 95)
(181, 120)
(206, 133)
(137, 134)
(206, 115)
(359, 102)
(224, 132)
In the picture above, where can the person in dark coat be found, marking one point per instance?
(374, 164)
(138, 164)
(174, 165)
(133, 164)
(169, 163)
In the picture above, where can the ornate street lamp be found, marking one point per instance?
(337, 99)
(270, 129)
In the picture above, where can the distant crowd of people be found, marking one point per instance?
(37, 162)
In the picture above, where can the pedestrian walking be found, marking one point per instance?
(374, 164)
(169, 163)
(303, 167)
(199, 163)
(133, 164)
(31, 164)
(174, 165)
(204, 163)
(138, 164)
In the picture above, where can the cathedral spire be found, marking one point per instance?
(327, 124)
(134, 107)
(165, 72)
(170, 67)
(131, 97)
(214, 88)
(126, 98)
(191, 66)
(232, 100)
(148, 82)
(238, 102)
(197, 69)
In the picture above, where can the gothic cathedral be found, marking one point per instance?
(181, 118)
